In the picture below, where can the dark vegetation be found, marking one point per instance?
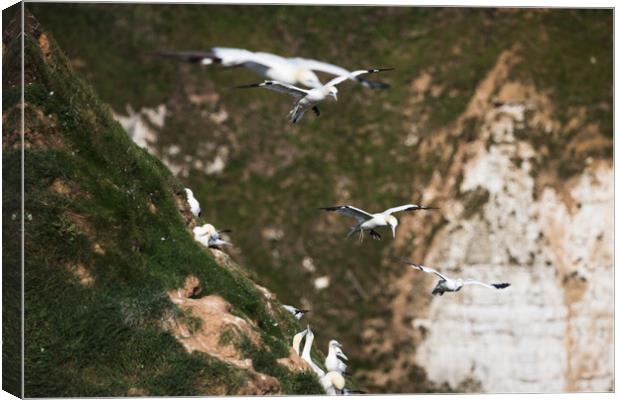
(104, 241)
(278, 174)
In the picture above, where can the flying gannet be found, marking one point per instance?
(297, 313)
(332, 69)
(446, 284)
(270, 66)
(306, 99)
(367, 221)
(194, 206)
(333, 382)
(208, 236)
(305, 354)
(335, 360)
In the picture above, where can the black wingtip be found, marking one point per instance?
(501, 285)
(380, 69)
(251, 85)
(332, 208)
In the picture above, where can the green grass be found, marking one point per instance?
(107, 339)
(278, 174)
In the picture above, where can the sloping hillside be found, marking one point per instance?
(119, 298)
(479, 98)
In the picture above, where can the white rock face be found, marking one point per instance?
(136, 124)
(552, 330)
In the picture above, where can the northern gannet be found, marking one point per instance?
(270, 66)
(309, 98)
(369, 222)
(446, 284)
(335, 360)
(297, 340)
(297, 313)
(336, 70)
(208, 236)
(194, 206)
(305, 354)
(333, 382)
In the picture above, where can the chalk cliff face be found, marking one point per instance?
(509, 217)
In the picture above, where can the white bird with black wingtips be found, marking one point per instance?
(369, 222)
(446, 284)
(306, 99)
(297, 313)
(208, 236)
(335, 360)
(270, 66)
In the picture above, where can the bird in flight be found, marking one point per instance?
(297, 313)
(292, 71)
(369, 222)
(306, 99)
(446, 284)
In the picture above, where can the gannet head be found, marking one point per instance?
(335, 344)
(393, 222)
(333, 92)
(308, 78)
(189, 192)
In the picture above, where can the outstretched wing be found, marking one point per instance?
(422, 268)
(278, 87)
(490, 286)
(202, 57)
(407, 207)
(332, 69)
(353, 75)
(350, 211)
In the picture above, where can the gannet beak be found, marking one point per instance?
(393, 231)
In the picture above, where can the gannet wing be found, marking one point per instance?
(490, 286)
(332, 69)
(422, 268)
(321, 66)
(407, 207)
(350, 211)
(353, 75)
(202, 57)
(278, 87)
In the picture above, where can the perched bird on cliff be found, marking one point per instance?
(333, 382)
(446, 284)
(335, 360)
(208, 236)
(297, 340)
(194, 206)
(305, 354)
(309, 99)
(297, 313)
(369, 222)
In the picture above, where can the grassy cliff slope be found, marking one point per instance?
(107, 242)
